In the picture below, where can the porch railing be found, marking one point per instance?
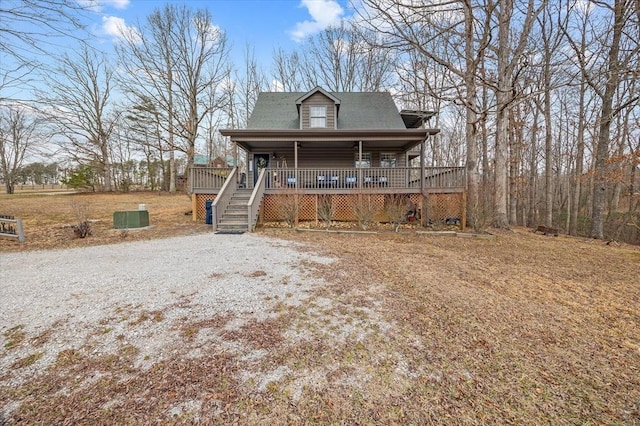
(253, 206)
(444, 177)
(221, 201)
(207, 178)
(366, 178)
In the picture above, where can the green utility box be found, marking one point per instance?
(131, 219)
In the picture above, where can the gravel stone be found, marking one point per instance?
(103, 297)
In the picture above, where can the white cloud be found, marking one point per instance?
(323, 13)
(99, 5)
(277, 86)
(118, 29)
(118, 4)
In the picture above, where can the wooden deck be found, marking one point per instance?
(209, 180)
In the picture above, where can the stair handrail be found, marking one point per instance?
(253, 205)
(223, 198)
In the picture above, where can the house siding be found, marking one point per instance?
(318, 99)
(331, 157)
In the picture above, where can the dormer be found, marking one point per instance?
(318, 109)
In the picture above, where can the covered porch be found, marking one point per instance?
(439, 195)
(209, 180)
(314, 163)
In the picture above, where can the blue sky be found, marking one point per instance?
(262, 24)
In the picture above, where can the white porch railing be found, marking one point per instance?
(212, 179)
(224, 195)
(205, 179)
(253, 206)
(375, 177)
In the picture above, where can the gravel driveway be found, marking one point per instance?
(55, 300)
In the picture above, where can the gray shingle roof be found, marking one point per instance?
(358, 110)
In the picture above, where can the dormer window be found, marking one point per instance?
(318, 116)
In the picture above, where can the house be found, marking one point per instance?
(326, 145)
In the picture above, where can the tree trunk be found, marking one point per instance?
(172, 171)
(471, 127)
(514, 164)
(577, 176)
(548, 147)
(533, 170)
(503, 98)
(606, 117)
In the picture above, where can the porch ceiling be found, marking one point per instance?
(251, 139)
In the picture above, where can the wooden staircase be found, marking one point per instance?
(235, 218)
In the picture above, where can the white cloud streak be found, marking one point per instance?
(118, 29)
(99, 5)
(323, 14)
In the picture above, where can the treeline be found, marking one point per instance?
(538, 99)
(131, 175)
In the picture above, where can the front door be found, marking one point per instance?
(260, 161)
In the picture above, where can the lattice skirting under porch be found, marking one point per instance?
(198, 207)
(445, 209)
(436, 208)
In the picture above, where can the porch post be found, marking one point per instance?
(359, 164)
(235, 161)
(295, 162)
(422, 167)
(423, 218)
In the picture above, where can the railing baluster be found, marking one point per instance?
(207, 178)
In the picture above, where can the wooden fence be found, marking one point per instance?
(11, 227)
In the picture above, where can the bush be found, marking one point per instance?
(81, 178)
(364, 210)
(325, 209)
(82, 227)
(395, 206)
(287, 207)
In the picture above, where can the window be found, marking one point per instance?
(388, 159)
(318, 116)
(366, 160)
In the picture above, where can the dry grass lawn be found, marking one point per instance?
(47, 219)
(409, 329)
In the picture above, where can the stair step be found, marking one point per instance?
(234, 217)
(233, 223)
(232, 228)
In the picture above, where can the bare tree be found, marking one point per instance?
(78, 104)
(511, 60)
(29, 29)
(603, 71)
(30, 26)
(18, 137)
(551, 37)
(144, 128)
(341, 58)
(173, 60)
(202, 67)
(581, 47)
(623, 11)
(454, 35)
(249, 84)
(286, 71)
